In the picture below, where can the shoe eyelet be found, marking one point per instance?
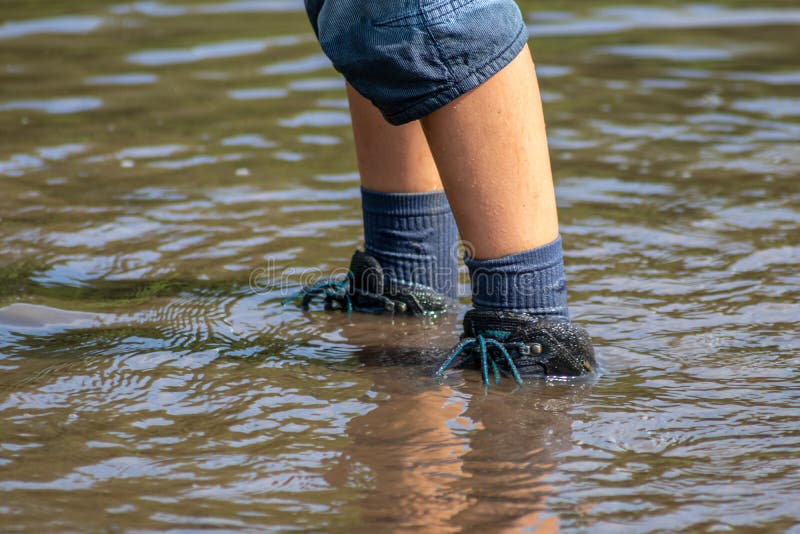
(536, 348)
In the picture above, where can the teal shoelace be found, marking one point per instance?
(339, 291)
(484, 344)
(328, 289)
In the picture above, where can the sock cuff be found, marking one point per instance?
(531, 281)
(548, 255)
(404, 204)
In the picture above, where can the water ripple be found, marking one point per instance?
(628, 18)
(56, 25)
(133, 78)
(55, 106)
(204, 52)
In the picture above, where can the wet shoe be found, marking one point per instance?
(368, 289)
(522, 346)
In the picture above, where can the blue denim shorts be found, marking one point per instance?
(410, 57)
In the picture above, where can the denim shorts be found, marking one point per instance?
(411, 57)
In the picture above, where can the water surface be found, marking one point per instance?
(156, 156)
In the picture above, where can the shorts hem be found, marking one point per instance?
(457, 88)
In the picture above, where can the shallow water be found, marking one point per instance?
(154, 157)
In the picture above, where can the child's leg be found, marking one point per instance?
(464, 70)
(491, 149)
(408, 225)
(391, 159)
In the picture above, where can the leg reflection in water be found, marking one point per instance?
(437, 458)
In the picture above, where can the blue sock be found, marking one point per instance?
(413, 236)
(531, 281)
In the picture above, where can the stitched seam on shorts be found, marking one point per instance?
(439, 51)
(438, 10)
(445, 8)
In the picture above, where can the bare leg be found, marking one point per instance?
(391, 159)
(490, 147)
(411, 234)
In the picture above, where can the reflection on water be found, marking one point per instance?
(171, 149)
(258, 94)
(209, 51)
(617, 19)
(133, 78)
(674, 53)
(56, 106)
(54, 25)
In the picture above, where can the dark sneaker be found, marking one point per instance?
(523, 346)
(368, 289)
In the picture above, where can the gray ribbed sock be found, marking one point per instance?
(531, 281)
(413, 236)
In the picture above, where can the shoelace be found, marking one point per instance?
(331, 289)
(483, 343)
(339, 290)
